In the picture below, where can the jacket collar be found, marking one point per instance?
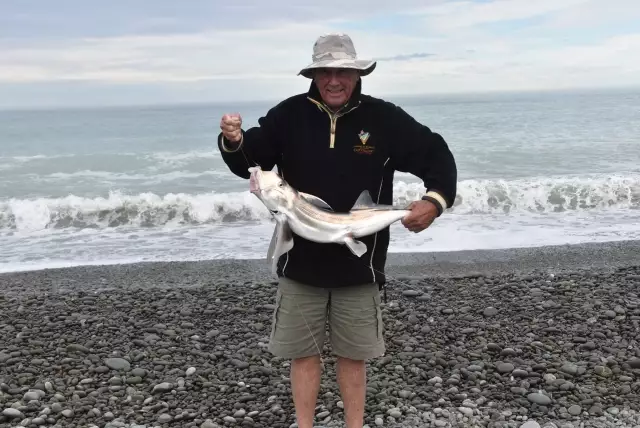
(355, 99)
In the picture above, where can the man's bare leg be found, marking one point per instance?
(305, 386)
(352, 380)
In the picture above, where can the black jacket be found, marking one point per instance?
(336, 157)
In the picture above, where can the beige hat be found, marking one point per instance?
(336, 50)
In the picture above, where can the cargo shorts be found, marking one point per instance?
(303, 314)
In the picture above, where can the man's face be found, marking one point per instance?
(335, 84)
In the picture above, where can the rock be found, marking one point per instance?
(634, 363)
(569, 368)
(12, 413)
(505, 367)
(163, 387)
(394, 413)
(490, 311)
(603, 371)
(538, 398)
(575, 410)
(33, 395)
(164, 418)
(466, 411)
(119, 364)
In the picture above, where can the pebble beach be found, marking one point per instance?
(537, 337)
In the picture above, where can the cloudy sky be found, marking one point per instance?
(83, 52)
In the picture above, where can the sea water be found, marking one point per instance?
(128, 184)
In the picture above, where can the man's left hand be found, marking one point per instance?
(422, 214)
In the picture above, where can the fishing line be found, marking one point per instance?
(245, 157)
(297, 304)
(385, 299)
(312, 336)
(359, 259)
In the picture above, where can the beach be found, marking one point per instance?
(134, 292)
(546, 336)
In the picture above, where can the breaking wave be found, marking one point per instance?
(539, 196)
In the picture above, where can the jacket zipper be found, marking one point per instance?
(333, 118)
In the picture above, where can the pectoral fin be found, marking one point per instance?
(357, 247)
(281, 243)
(315, 201)
(274, 242)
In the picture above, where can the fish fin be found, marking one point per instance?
(364, 201)
(281, 243)
(357, 247)
(314, 200)
(274, 241)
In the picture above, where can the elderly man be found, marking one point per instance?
(334, 142)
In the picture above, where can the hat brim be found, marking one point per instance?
(365, 67)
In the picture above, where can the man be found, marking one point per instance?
(334, 142)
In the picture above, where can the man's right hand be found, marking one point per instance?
(231, 125)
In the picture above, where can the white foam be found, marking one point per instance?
(250, 240)
(118, 209)
(145, 178)
(530, 196)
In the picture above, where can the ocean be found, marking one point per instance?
(131, 184)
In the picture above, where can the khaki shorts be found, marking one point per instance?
(302, 312)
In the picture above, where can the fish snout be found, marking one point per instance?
(254, 185)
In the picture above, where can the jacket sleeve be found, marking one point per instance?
(258, 145)
(425, 154)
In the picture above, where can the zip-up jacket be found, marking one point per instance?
(335, 156)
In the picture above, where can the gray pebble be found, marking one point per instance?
(119, 364)
(12, 413)
(539, 398)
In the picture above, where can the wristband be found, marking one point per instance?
(435, 202)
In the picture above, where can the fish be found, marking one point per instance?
(310, 217)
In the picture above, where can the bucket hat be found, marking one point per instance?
(336, 50)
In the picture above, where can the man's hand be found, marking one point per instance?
(231, 125)
(422, 214)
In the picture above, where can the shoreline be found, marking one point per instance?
(519, 338)
(524, 260)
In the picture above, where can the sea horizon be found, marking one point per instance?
(393, 97)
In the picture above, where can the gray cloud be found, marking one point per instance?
(405, 57)
(33, 19)
(75, 52)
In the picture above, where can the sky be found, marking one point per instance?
(81, 52)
